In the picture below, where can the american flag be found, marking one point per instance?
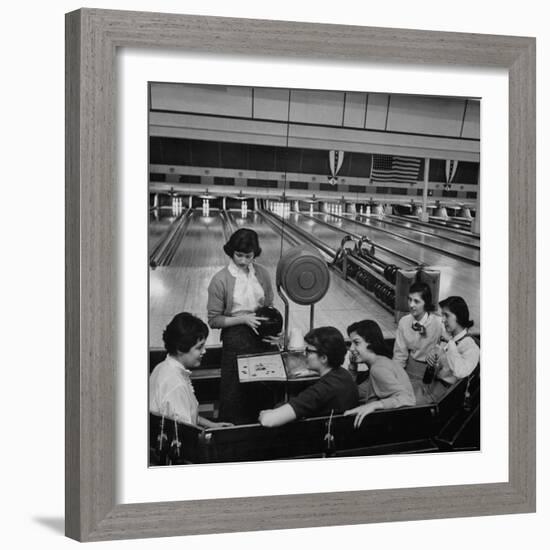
(391, 169)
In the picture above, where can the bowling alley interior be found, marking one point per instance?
(356, 200)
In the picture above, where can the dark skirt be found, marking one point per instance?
(241, 403)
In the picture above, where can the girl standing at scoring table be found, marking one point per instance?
(417, 334)
(234, 294)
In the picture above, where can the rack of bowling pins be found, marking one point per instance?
(333, 208)
(177, 206)
(279, 207)
(206, 207)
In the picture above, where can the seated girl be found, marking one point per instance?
(417, 333)
(171, 393)
(388, 386)
(457, 354)
(333, 393)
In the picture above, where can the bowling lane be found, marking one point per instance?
(433, 241)
(440, 224)
(182, 286)
(159, 223)
(391, 241)
(202, 243)
(440, 232)
(457, 278)
(343, 304)
(332, 235)
(451, 222)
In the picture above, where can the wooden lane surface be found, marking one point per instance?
(421, 238)
(457, 278)
(333, 237)
(469, 242)
(439, 226)
(183, 285)
(158, 226)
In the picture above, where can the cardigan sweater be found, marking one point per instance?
(220, 294)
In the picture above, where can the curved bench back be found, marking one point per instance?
(397, 430)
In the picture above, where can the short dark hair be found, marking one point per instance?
(458, 306)
(183, 332)
(425, 293)
(372, 334)
(330, 342)
(243, 240)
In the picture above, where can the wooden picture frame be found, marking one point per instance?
(92, 39)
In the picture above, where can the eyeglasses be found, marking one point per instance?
(309, 351)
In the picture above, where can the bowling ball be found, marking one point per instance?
(274, 323)
(370, 283)
(352, 269)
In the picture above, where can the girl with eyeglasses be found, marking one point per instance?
(333, 393)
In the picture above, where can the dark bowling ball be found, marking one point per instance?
(370, 283)
(274, 323)
(391, 300)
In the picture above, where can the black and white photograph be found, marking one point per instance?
(184, 384)
(314, 273)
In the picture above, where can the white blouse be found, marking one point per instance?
(459, 358)
(248, 294)
(171, 393)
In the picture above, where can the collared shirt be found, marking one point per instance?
(171, 393)
(459, 357)
(410, 342)
(248, 294)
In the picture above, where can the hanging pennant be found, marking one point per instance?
(450, 169)
(335, 160)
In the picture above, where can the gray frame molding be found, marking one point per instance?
(92, 38)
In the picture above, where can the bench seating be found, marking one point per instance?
(421, 428)
(450, 424)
